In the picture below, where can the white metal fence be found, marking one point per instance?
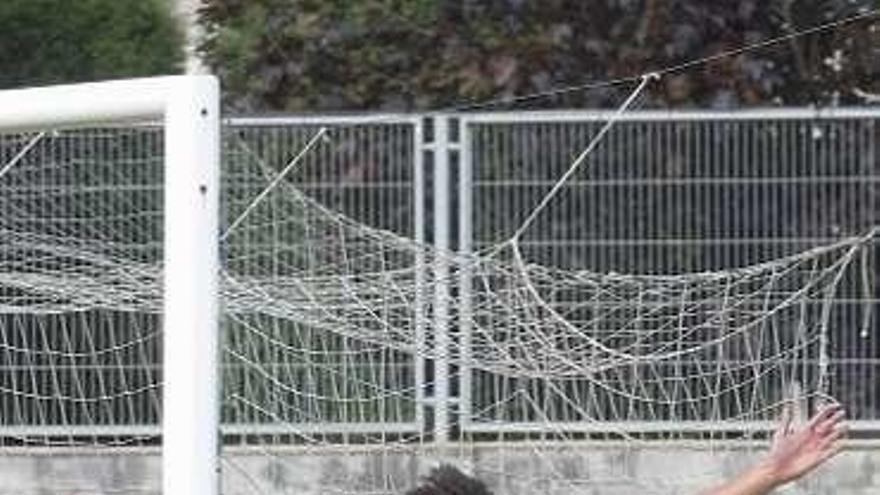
(370, 171)
(664, 192)
(673, 192)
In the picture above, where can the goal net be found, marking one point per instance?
(331, 351)
(562, 378)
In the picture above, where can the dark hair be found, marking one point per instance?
(448, 480)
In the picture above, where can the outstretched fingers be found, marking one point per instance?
(831, 423)
(798, 450)
(831, 430)
(831, 445)
(785, 424)
(833, 436)
(825, 415)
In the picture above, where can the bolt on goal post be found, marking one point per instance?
(188, 108)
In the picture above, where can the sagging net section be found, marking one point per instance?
(337, 334)
(341, 334)
(80, 254)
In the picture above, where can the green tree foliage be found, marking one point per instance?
(419, 54)
(53, 41)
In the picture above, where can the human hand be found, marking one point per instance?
(797, 451)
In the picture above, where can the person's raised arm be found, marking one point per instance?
(794, 453)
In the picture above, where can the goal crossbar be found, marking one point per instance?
(188, 107)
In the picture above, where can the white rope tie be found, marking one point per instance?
(280, 177)
(582, 157)
(22, 153)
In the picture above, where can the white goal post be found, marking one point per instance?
(188, 107)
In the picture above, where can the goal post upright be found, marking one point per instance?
(188, 106)
(191, 390)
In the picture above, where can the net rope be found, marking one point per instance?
(564, 355)
(329, 324)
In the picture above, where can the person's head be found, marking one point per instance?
(447, 480)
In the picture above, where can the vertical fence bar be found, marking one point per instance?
(465, 247)
(419, 235)
(442, 212)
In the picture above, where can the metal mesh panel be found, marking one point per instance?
(680, 193)
(283, 377)
(677, 193)
(81, 375)
(71, 202)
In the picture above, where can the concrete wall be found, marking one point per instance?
(601, 470)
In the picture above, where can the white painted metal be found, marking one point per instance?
(633, 427)
(561, 116)
(325, 120)
(191, 332)
(390, 196)
(86, 104)
(83, 431)
(465, 276)
(189, 107)
(322, 428)
(128, 431)
(421, 295)
(711, 156)
(659, 159)
(442, 212)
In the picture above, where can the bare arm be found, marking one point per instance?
(794, 453)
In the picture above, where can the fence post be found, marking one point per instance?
(465, 276)
(419, 220)
(442, 212)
